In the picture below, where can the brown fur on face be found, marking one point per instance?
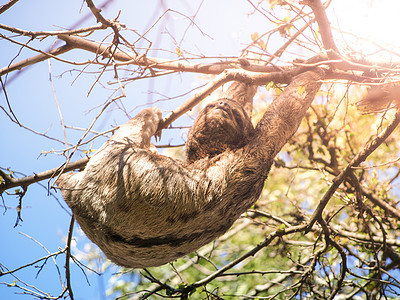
(144, 209)
(222, 125)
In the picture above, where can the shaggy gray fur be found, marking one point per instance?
(144, 209)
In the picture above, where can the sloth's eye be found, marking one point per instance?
(238, 118)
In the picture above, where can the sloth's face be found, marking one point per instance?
(221, 125)
(225, 111)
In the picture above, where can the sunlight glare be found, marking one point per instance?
(376, 21)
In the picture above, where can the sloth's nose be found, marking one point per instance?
(222, 104)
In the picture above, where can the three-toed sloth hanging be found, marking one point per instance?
(144, 209)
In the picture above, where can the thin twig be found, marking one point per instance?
(67, 258)
(35, 34)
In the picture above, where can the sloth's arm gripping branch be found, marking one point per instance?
(284, 115)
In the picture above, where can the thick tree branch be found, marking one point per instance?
(324, 27)
(73, 42)
(25, 181)
(6, 6)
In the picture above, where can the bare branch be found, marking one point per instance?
(6, 6)
(35, 34)
(324, 27)
(35, 59)
(390, 210)
(364, 237)
(67, 258)
(13, 182)
(50, 255)
(143, 60)
(98, 15)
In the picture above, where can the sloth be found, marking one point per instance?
(222, 125)
(144, 209)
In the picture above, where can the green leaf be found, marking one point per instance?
(254, 36)
(178, 51)
(12, 284)
(301, 89)
(270, 85)
(278, 91)
(262, 45)
(320, 150)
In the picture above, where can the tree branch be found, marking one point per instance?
(68, 257)
(35, 34)
(324, 27)
(97, 14)
(165, 64)
(252, 252)
(73, 42)
(25, 181)
(6, 6)
(35, 59)
(390, 210)
(359, 158)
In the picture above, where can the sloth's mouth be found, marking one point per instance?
(226, 110)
